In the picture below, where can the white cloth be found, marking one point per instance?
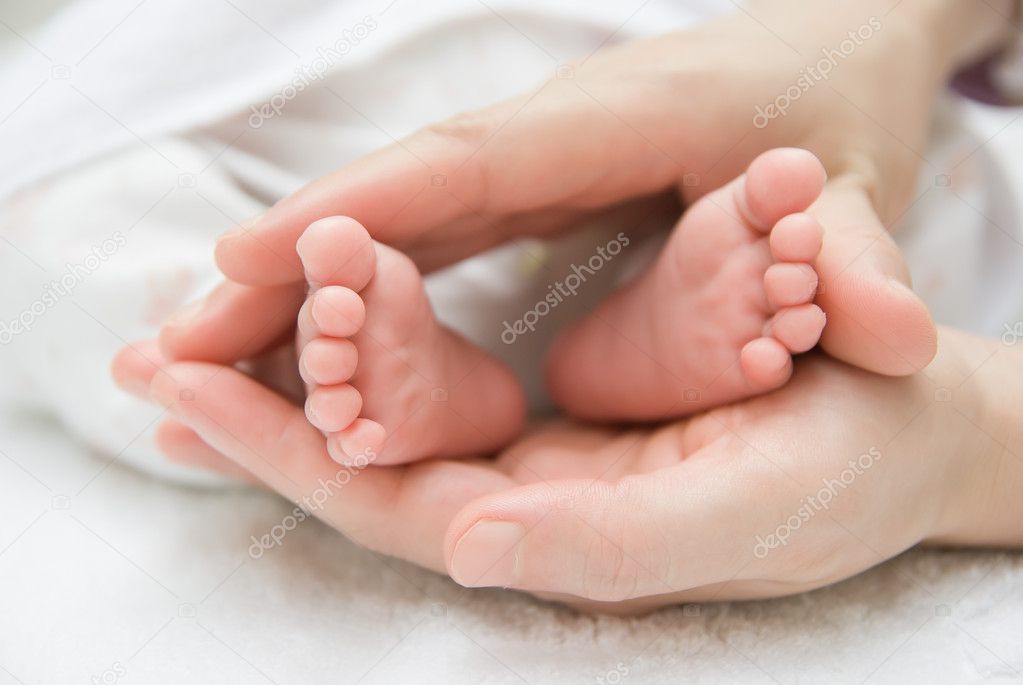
(107, 574)
(156, 580)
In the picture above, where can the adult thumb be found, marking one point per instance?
(648, 534)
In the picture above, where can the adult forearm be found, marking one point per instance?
(965, 30)
(954, 32)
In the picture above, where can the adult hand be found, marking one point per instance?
(834, 473)
(676, 115)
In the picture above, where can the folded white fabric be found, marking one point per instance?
(102, 74)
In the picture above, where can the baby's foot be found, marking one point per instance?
(384, 376)
(720, 313)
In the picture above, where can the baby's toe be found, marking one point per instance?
(796, 238)
(358, 444)
(336, 311)
(788, 285)
(328, 361)
(337, 251)
(779, 182)
(798, 328)
(766, 364)
(333, 408)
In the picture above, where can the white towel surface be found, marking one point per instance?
(110, 575)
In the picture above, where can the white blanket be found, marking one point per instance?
(131, 123)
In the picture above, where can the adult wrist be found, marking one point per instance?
(956, 32)
(962, 31)
(981, 504)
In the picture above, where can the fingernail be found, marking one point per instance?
(244, 227)
(186, 314)
(230, 235)
(131, 385)
(164, 394)
(897, 284)
(488, 554)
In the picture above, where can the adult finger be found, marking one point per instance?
(233, 323)
(399, 511)
(655, 534)
(572, 144)
(875, 320)
(134, 366)
(183, 445)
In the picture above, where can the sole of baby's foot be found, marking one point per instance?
(385, 381)
(718, 315)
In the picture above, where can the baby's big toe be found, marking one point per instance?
(779, 182)
(337, 251)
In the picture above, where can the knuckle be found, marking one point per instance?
(462, 137)
(628, 554)
(470, 128)
(609, 575)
